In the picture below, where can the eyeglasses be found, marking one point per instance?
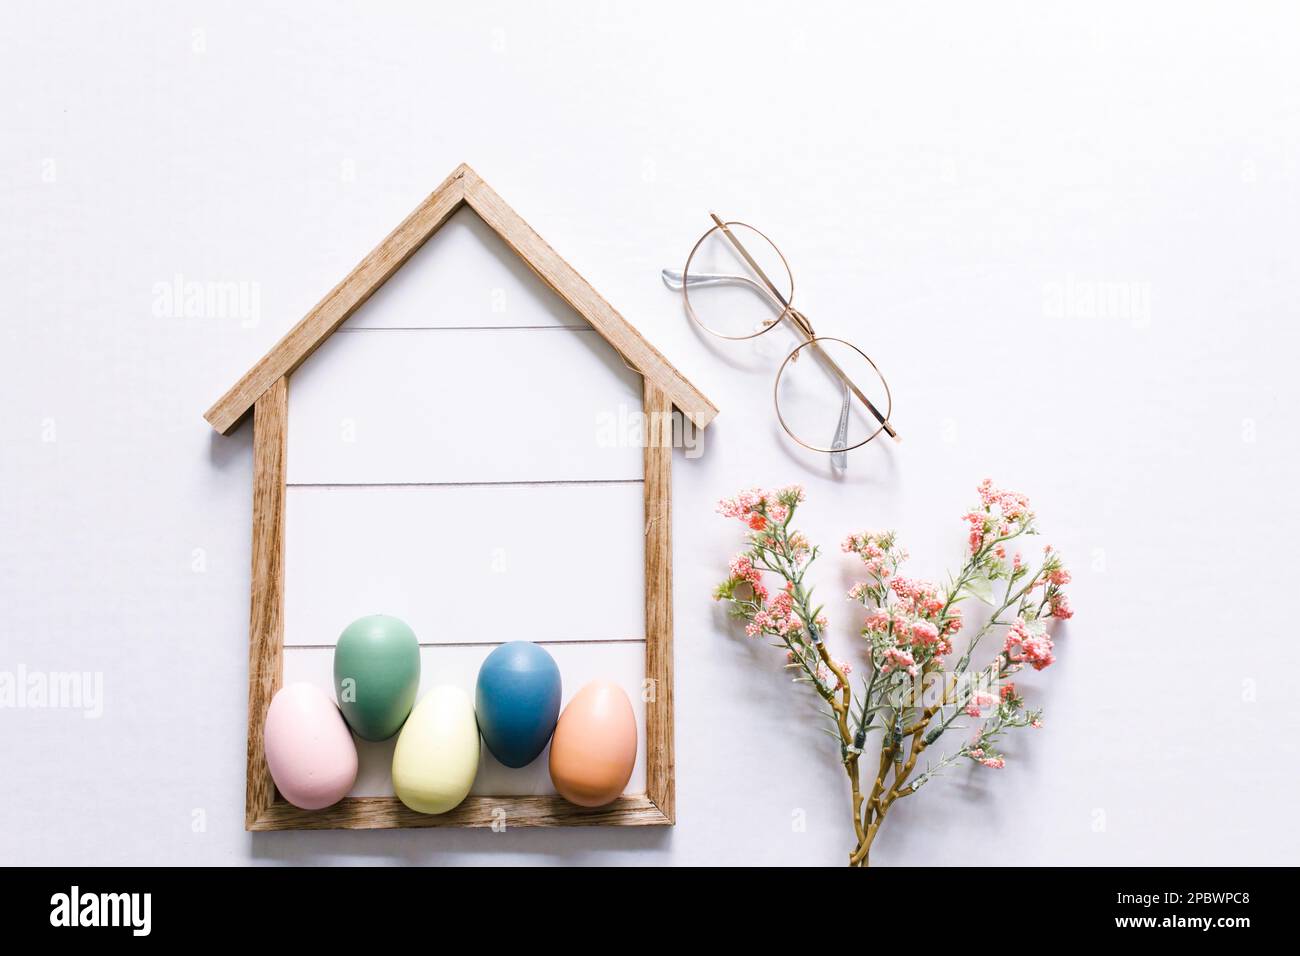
(737, 285)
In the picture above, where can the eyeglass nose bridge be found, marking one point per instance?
(801, 322)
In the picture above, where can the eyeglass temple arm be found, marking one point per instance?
(839, 455)
(802, 323)
(675, 280)
(678, 281)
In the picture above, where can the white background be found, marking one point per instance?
(938, 177)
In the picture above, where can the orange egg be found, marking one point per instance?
(594, 747)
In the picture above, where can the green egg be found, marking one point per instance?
(376, 675)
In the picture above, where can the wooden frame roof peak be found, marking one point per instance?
(462, 187)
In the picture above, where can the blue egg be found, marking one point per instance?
(517, 702)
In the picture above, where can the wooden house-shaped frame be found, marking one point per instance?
(263, 391)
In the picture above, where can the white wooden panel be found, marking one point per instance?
(464, 277)
(623, 663)
(467, 563)
(464, 406)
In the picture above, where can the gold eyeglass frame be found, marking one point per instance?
(801, 324)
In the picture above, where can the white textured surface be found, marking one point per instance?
(950, 184)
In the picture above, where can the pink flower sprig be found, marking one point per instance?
(757, 509)
(788, 616)
(881, 556)
(1001, 515)
(910, 631)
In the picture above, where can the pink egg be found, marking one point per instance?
(309, 748)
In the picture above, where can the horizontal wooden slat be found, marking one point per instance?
(464, 277)
(623, 663)
(464, 406)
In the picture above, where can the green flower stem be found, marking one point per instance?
(994, 622)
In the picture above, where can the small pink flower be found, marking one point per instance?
(739, 506)
(877, 621)
(897, 658)
(1059, 605)
(952, 623)
(1033, 647)
(923, 633)
(742, 570)
(917, 596)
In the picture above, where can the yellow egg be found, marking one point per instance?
(436, 756)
